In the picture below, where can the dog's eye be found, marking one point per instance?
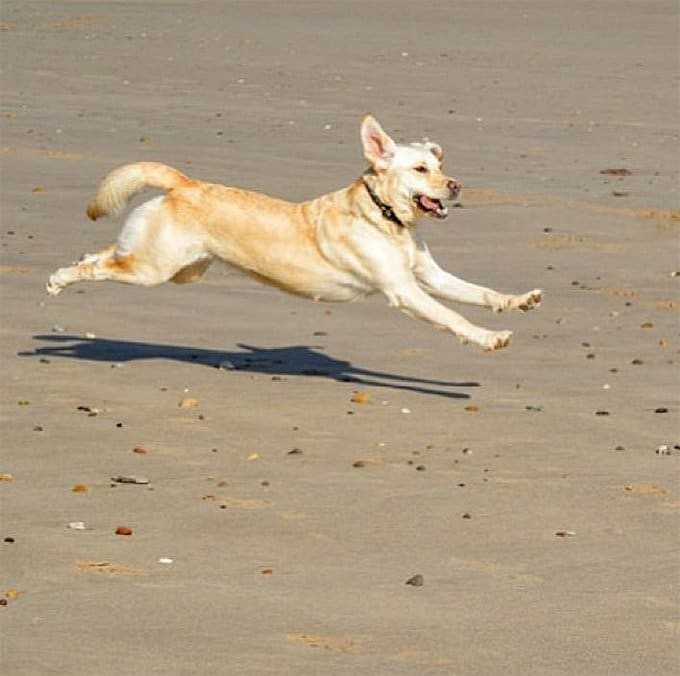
(421, 169)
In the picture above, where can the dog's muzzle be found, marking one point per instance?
(432, 206)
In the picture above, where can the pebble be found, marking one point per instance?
(601, 412)
(77, 525)
(661, 409)
(565, 533)
(80, 488)
(188, 402)
(123, 530)
(360, 397)
(166, 560)
(129, 479)
(90, 410)
(536, 408)
(467, 515)
(416, 581)
(9, 539)
(405, 410)
(667, 449)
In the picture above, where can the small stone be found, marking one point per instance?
(647, 325)
(661, 409)
(295, 451)
(472, 408)
(643, 488)
(129, 479)
(420, 468)
(6, 476)
(565, 533)
(139, 450)
(360, 397)
(80, 488)
(188, 402)
(165, 560)
(406, 410)
(467, 515)
(620, 448)
(637, 362)
(123, 530)
(9, 540)
(537, 408)
(359, 463)
(266, 571)
(77, 525)
(415, 581)
(3, 602)
(601, 412)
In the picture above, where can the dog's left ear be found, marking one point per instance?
(379, 148)
(436, 150)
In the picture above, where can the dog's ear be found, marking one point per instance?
(436, 150)
(378, 146)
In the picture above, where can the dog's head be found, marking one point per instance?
(407, 178)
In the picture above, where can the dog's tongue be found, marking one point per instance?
(429, 204)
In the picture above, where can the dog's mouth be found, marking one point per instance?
(431, 206)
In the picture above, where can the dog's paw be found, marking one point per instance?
(526, 301)
(496, 340)
(53, 287)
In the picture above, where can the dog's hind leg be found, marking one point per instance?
(151, 249)
(128, 268)
(105, 264)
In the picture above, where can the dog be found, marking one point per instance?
(341, 246)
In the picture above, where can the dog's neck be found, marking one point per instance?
(386, 210)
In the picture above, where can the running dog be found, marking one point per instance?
(338, 247)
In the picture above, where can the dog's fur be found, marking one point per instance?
(337, 247)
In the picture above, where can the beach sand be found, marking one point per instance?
(282, 519)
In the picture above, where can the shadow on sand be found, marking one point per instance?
(295, 360)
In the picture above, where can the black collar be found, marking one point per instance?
(386, 210)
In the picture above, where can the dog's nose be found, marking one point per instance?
(453, 186)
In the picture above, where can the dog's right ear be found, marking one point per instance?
(378, 146)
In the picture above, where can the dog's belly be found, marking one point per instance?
(338, 288)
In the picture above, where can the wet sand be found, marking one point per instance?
(282, 520)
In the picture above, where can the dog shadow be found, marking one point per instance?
(294, 360)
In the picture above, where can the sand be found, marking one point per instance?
(282, 520)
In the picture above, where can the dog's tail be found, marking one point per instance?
(119, 186)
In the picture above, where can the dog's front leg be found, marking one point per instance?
(410, 298)
(444, 285)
